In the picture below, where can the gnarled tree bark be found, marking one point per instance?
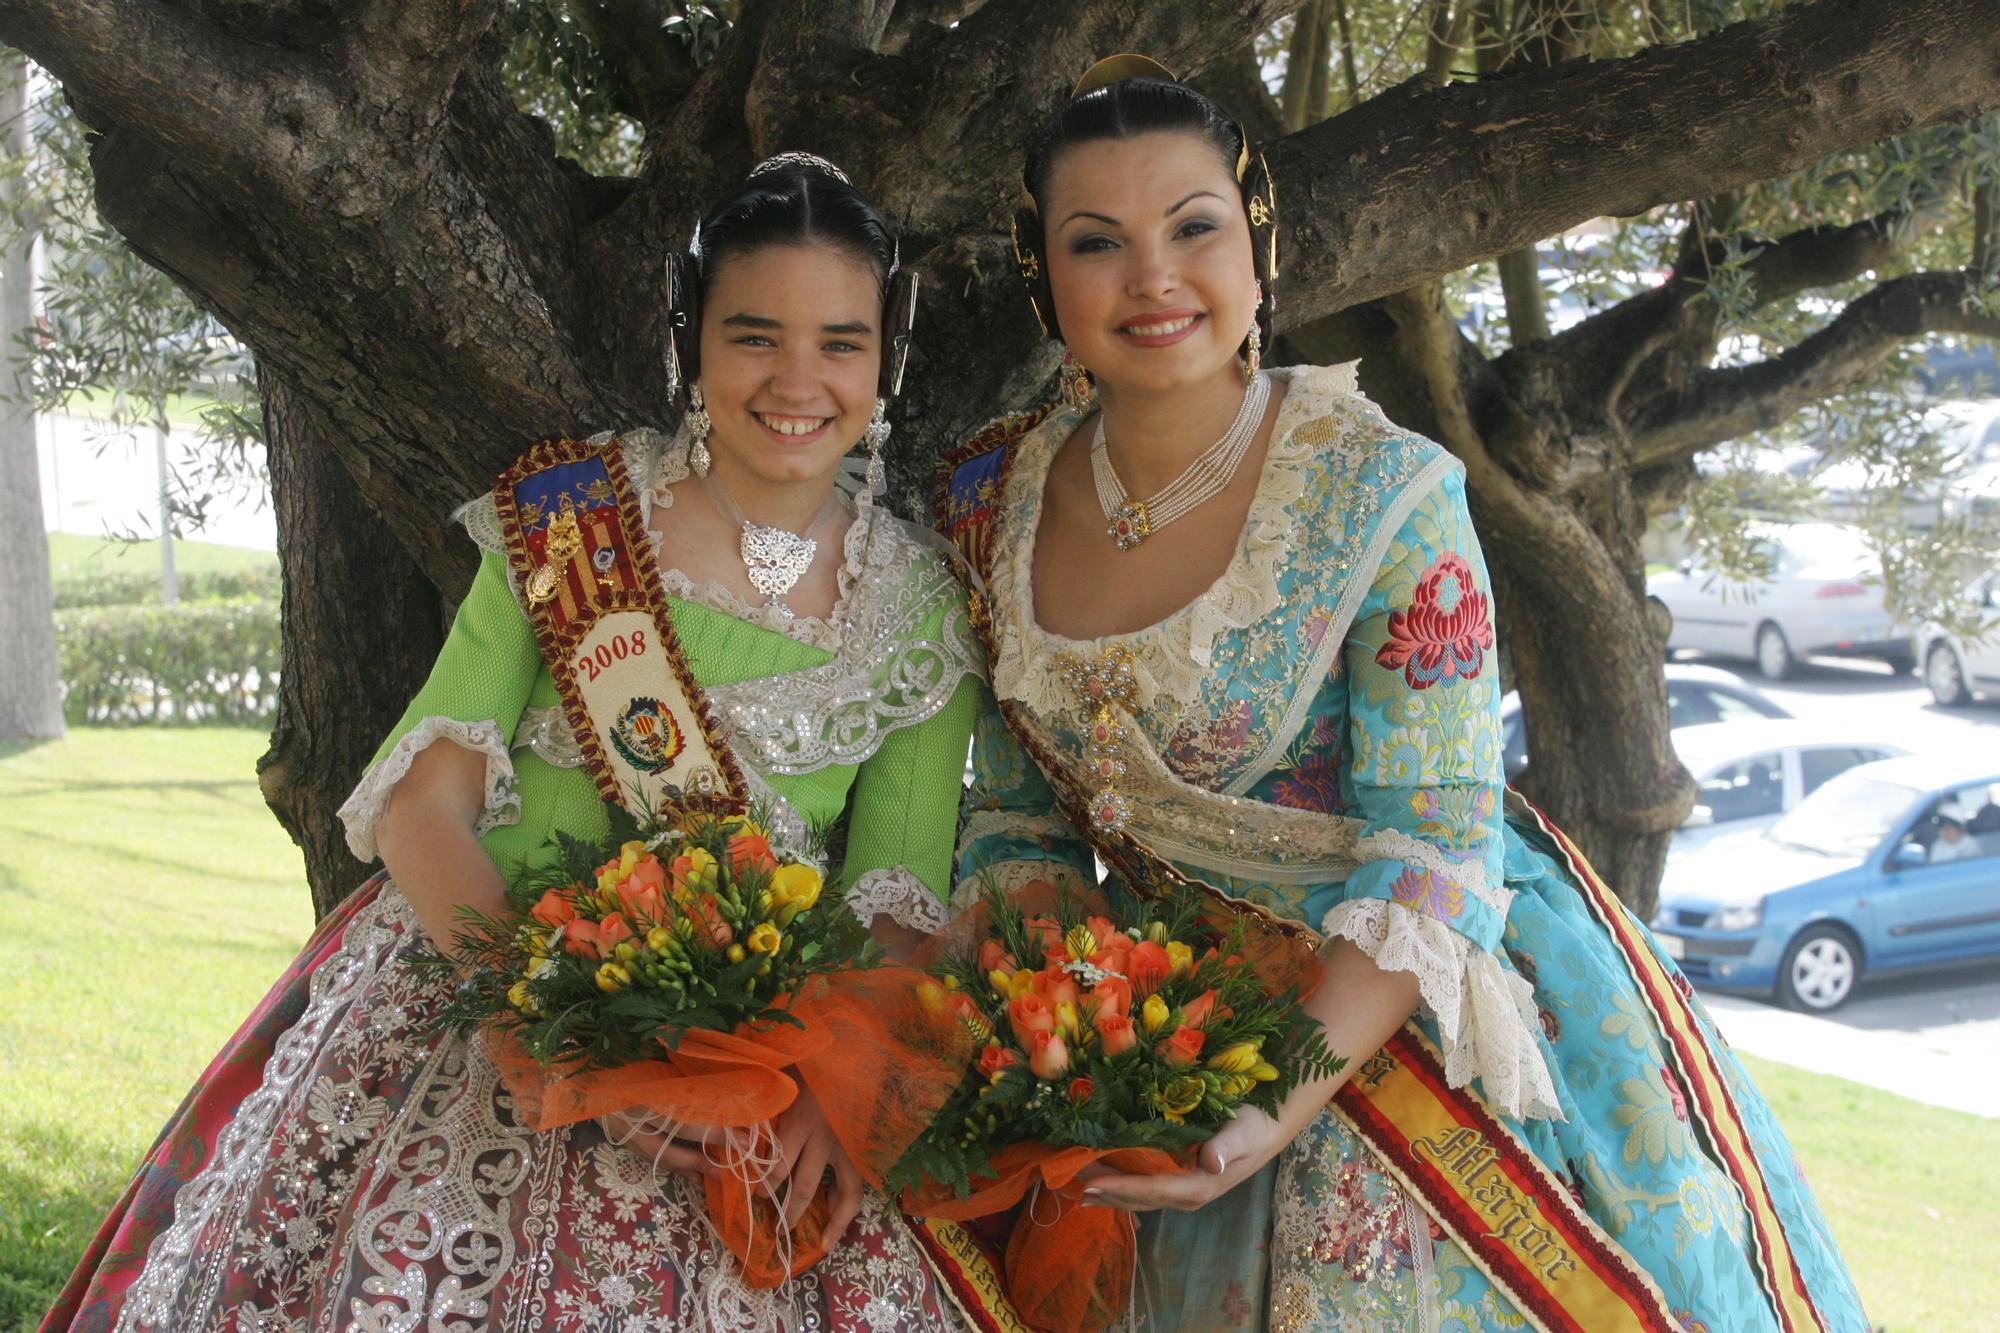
(351, 191)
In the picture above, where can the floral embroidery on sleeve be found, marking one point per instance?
(1445, 631)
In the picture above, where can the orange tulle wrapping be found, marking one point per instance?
(914, 1054)
(1068, 1267)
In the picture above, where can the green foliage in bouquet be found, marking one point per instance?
(1151, 1032)
(646, 934)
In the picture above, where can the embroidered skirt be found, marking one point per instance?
(340, 1166)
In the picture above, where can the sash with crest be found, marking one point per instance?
(581, 558)
(1474, 1176)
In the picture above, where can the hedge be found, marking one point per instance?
(136, 587)
(195, 662)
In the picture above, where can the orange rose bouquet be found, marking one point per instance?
(1122, 1040)
(692, 970)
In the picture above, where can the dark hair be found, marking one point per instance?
(1124, 109)
(797, 201)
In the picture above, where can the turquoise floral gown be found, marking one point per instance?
(1318, 733)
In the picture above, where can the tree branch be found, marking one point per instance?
(408, 53)
(1480, 169)
(957, 102)
(911, 16)
(653, 65)
(1719, 405)
(173, 71)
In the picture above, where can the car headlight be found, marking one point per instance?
(1743, 916)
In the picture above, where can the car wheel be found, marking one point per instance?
(1819, 970)
(1902, 661)
(1774, 653)
(1944, 675)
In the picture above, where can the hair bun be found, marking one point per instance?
(801, 162)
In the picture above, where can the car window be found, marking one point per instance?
(1736, 708)
(1690, 705)
(1961, 826)
(1816, 766)
(1746, 789)
(1849, 816)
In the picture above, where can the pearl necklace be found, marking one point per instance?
(775, 558)
(1129, 522)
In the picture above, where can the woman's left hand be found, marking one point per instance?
(1235, 1154)
(808, 1149)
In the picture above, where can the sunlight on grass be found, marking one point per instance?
(1909, 1189)
(159, 841)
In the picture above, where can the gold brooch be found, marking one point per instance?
(564, 544)
(1102, 686)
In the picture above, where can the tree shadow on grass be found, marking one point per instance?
(49, 1211)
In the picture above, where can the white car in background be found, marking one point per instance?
(1751, 772)
(1695, 695)
(1958, 671)
(1824, 595)
(1968, 433)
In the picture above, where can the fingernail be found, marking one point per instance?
(1221, 1164)
(1089, 1193)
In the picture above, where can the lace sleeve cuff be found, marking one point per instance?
(362, 811)
(907, 899)
(1485, 1013)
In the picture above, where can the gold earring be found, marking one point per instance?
(1077, 390)
(1253, 355)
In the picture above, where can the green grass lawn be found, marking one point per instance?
(71, 555)
(1910, 1191)
(149, 899)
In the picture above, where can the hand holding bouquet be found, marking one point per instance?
(691, 970)
(1126, 1042)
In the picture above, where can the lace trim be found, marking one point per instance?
(362, 811)
(907, 899)
(1485, 1013)
(1173, 656)
(1396, 845)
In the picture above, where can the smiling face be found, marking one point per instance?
(790, 357)
(1149, 260)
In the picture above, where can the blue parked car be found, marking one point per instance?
(1891, 866)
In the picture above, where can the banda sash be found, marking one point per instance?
(580, 555)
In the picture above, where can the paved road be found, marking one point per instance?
(1936, 1036)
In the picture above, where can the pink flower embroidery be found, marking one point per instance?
(1446, 630)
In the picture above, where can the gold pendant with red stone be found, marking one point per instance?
(1131, 524)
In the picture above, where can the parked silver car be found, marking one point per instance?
(1696, 695)
(1751, 772)
(1824, 595)
(1958, 670)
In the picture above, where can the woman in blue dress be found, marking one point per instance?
(1240, 632)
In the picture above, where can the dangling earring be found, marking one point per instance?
(1253, 356)
(876, 481)
(698, 426)
(1077, 390)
